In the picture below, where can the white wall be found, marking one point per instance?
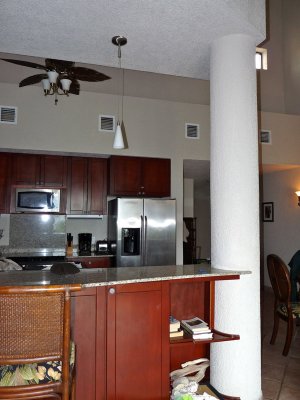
(97, 227)
(153, 127)
(4, 227)
(282, 236)
(285, 133)
(280, 84)
(202, 214)
(188, 197)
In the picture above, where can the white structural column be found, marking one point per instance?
(235, 365)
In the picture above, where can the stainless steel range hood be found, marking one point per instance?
(84, 216)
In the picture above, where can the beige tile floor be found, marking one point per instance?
(280, 375)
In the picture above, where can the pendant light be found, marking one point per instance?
(118, 141)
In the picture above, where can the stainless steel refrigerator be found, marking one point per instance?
(142, 231)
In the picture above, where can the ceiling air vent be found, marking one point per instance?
(192, 131)
(265, 137)
(8, 115)
(106, 123)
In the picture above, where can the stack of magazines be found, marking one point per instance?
(175, 329)
(198, 328)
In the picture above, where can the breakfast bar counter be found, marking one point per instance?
(120, 324)
(90, 277)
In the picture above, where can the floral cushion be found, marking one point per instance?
(295, 309)
(36, 373)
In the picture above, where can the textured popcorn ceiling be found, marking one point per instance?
(164, 36)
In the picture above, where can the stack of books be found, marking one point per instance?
(175, 329)
(198, 328)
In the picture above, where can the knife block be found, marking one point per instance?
(69, 249)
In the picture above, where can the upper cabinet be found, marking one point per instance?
(139, 176)
(84, 180)
(39, 170)
(4, 182)
(87, 186)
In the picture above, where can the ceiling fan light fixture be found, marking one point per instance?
(46, 85)
(52, 76)
(118, 141)
(56, 75)
(65, 84)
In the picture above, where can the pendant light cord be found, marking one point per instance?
(121, 84)
(119, 141)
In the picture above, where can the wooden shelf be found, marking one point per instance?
(208, 388)
(217, 337)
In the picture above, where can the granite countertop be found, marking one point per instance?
(20, 253)
(111, 276)
(93, 255)
(13, 253)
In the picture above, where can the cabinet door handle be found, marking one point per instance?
(112, 291)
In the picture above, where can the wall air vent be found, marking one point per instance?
(192, 131)
(8, 115)
(265, 137)
(106, 123)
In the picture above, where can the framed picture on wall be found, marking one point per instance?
(268, 212)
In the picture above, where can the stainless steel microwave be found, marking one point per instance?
(38, 200)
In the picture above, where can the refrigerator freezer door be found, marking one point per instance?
(159, 232)
(129, 232)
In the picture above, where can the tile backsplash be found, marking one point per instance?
(33, 232)
(97, 227)
(4, 229)
(37, 231)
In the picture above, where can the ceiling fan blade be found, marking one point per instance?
(58, 65)
(87, 74)
(25, 63)
(31, 80)
(75, 87)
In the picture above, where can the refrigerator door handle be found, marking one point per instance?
(142, 241)
(145, 240)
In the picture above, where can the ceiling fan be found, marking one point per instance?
(59, 74)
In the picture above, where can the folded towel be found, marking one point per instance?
(8, 265)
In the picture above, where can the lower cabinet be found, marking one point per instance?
(122, 342)
(137, 342)
(84, 329)
(93, 262)
(123, 349)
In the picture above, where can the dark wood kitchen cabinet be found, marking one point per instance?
(121, 333)
(84, 330)
(5, 182)
(92, 261)
(87, 185)
(39, 170)
(140, 176)
(137, 342)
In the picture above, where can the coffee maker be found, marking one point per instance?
(84, 244)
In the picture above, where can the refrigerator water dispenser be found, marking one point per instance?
(130, 241)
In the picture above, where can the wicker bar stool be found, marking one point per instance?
(35, 342)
